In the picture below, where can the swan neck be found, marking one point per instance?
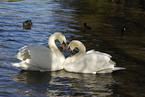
(54, 48)
(82, 51)
(51, 42)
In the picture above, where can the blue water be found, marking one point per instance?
(49, 16)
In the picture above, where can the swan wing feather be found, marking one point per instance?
(91, 62)
(97, 52)
(40, 58)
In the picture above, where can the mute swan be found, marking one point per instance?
(41, 58)
(88, 62)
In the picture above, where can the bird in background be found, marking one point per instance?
(122, 31)
(86, 27)
(27, 24)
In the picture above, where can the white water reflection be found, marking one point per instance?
(65, 83)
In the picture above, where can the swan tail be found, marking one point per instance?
(110, 70)
(20, 65)
(26, 66)
(105, 71)
(118, 68)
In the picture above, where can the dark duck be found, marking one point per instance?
(27, 24)
(122, 31)
(87, 27)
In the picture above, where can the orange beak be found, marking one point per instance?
(70, 52)
(63, 47)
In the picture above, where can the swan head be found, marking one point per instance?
(58, 36)
(62, 40)
(76, 44)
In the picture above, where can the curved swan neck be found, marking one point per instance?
(80, 46)
(53, 47)
(51, 41)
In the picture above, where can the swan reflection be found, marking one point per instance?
(65, 83)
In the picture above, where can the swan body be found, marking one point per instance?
(89, 62)
(41, 58)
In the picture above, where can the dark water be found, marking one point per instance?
(105, 17)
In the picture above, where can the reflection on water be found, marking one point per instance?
(34, 78)
(64, 83)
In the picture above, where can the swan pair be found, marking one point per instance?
(41, 58)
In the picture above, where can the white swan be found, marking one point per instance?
(88, 62)
(41, 58)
